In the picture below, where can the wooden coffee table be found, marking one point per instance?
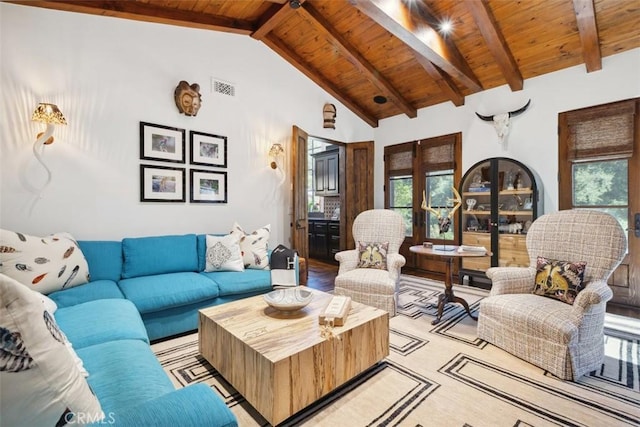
(280, 362)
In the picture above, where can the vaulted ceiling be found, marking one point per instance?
(363, 51)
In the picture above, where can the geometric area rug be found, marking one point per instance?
(443, 375)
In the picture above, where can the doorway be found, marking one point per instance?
(354, 167)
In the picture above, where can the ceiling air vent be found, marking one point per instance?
(222, 87)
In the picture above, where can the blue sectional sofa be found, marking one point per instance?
(164, 277)
(144, 289)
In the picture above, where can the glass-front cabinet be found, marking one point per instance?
(500, 200)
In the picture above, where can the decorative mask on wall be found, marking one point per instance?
(329, 114)
(188, 99)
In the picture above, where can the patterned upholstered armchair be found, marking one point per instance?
(566, 340)
(373, 286)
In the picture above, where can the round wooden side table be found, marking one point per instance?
(448, 253)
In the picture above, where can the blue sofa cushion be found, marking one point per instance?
(146, 256)
(99, 321)
(124, 373)
(156, 293)
(241, 282)
(99, 289)
(195, 405)
(104, 258)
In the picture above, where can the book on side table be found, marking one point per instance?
(474, 249)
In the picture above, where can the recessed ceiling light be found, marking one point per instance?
(446, 26)
(379, 99)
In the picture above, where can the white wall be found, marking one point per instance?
(107, 75)
(533, 139)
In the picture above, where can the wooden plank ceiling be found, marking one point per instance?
(360, 49)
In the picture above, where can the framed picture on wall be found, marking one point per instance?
(208, 186)
(162, 184)
(158, 142)
(208, 149)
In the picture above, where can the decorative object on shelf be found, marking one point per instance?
(208, 186)
(50, 115)
(187, 97)
(444, 221)
(528, 203)
(471, 204)
(158, 142)
(162, 184)
(501, 122)
(276, 153)
(289, 299)
(208, 149)
(329, 114)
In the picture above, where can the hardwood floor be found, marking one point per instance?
(322, 275)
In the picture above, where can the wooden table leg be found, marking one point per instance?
(448, 296)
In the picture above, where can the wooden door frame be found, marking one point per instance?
(299, 221)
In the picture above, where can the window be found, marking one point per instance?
(401, 199)
(314, 203)
(602, 185)
(596, 144)
(599, 168)
(428, 167)
(438, 187)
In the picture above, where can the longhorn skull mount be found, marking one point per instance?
(501, 122)
(444, 220)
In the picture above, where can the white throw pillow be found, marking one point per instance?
(254, 246)
(223, 253)
(44, 264)
(40, 383)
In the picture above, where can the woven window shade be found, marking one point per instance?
(601, 133)
(438, 157)
(400, 161)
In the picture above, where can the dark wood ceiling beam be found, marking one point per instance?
(588, 29)
(421, 37)
(281, 49)
(148, 13)
(443, 80)
(358, 61)
(495, 41)
(272, 18)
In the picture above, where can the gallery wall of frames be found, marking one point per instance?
(164, 170)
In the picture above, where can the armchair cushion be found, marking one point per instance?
(373, 255)
(561, 280)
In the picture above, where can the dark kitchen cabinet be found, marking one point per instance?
(324, 238)
(327, 177)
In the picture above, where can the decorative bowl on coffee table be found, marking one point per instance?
(290, 299)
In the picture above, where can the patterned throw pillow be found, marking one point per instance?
(373, 255)
(254, 246)
(223, 253)
(561, 280)
(44, 264)
(40, 382)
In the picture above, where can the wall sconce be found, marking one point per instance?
(275, 151)
(329, 114)
(51, 115)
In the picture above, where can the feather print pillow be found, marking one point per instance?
(254, 246)
(40, 382)
(44, 264)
